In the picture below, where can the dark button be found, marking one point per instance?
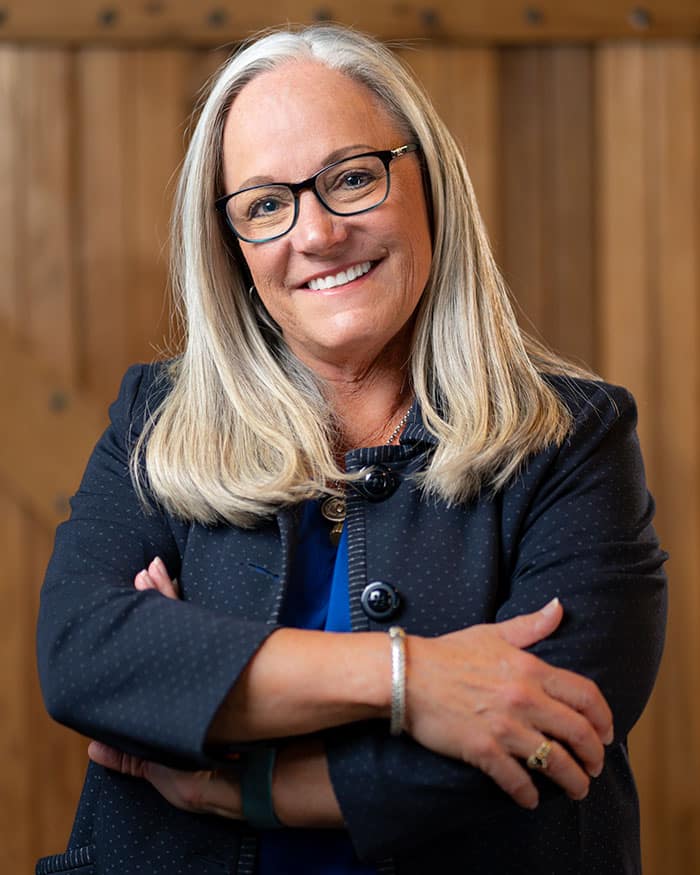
(380, 600)
(378, 483)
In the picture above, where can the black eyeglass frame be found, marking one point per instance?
(386, 156)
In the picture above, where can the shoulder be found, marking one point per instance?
(143, 389)
(594, 404)
(602, 441)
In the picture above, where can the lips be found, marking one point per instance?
(341, 278)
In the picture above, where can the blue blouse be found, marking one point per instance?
(317, 598)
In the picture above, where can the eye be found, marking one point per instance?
(355, 179)
(263, 207)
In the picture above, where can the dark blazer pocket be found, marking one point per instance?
(81, 861)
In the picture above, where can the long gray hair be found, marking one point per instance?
(245, 427)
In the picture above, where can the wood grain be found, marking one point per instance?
(47, 254)
(182, 22)
(48, 432)
(103, 189)
(16, 666)
(155, 118)
(11, 198)
(673, 113)
(463, 85)
(586, 161)
(547, 194)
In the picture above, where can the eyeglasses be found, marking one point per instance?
(345, 188)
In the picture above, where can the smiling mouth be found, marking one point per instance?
(339, 279)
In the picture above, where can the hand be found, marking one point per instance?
(202, 792)
(476, 695)
(156, 577)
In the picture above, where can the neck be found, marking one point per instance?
(367, 397)
(368, 410)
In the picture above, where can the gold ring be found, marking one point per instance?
(540, 758)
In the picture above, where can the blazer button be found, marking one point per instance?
(380, 600)
(378, 483)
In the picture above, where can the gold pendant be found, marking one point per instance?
(333, 509)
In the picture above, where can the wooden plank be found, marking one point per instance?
(11, 198)
(184, 22)
(626, 341)
(155, 117)
(569, 316)
(48, 432)
(463, 85)
(547, 217)
(624, 253)
(47, 233)
(523, 172)
(18, 794)
(104, 218)
(674, 126)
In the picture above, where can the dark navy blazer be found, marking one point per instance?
(147, 674)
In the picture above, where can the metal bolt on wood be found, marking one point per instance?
(107, 17)
(429, 17)
(533, 16)
(217, 18)
(322, 14)
(640, 18)
(58, 401)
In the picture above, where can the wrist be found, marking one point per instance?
(302, 792)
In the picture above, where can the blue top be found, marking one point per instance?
(317, 598)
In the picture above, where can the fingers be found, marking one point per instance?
(562, 768)
(503, 759)
(157, 577)
(114, 759)
(202, 792)
(583, 696)
(527, 629)
(559, 721)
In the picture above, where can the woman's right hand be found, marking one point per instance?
(476, 695)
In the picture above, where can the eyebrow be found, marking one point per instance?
(331, 158)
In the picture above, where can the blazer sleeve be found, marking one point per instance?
(129, 668)
(576, 524)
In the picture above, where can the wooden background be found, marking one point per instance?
(581, 126)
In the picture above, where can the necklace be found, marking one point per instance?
(334, 507)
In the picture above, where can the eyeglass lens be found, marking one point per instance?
(350, 186)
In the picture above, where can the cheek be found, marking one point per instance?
(265, 268)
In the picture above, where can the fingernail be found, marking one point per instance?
(550, 607)
(610, 736)
(142, 581)
(158, 562)
(595, 773)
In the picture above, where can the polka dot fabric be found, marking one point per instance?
(147, 674)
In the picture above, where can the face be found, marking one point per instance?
(284, 126)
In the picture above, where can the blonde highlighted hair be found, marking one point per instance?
(245, 427)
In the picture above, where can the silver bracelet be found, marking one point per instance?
(398, 680)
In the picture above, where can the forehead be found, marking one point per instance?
(285, 122)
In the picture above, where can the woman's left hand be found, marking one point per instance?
(201, 792)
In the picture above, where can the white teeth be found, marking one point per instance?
(340, 279)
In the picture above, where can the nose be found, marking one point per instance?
(317, 230)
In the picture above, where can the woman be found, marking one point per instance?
(355, 436)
